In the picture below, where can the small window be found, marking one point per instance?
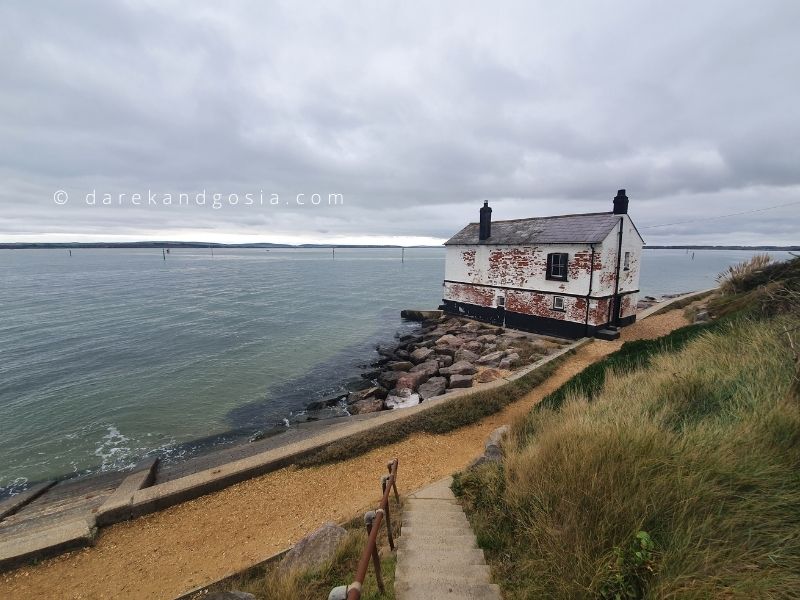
(558, 303)
(557, 266)
(501, 301)
(627, 261)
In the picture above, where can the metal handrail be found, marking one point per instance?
(372, 520)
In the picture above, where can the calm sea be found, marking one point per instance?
(108, 355)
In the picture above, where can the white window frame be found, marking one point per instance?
(559, 300)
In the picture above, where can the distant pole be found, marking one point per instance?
(212, 251)
(164, 254)
(692, 255)
(403, 256)
(70, 252)
(333, 253)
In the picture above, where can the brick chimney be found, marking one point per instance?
(621, 203)
(486, 222)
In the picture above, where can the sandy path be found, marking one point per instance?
(167, 553)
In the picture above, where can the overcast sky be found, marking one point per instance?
(414, 112)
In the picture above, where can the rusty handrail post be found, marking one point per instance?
(394, 479)
(389, 534)
(369, 519)
(371, 549)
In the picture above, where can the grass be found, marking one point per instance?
(270, 583)
(670, 470)
(446, 417)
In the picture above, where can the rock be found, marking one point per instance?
(487, 338)
(429, 367)
(400, 365)
(365, 405)
(516, 335)
(444, 350)
(509, 360)
(421, 355)
(472, 326)
(445, 361)
(412, 381)
(388, 379)
(387, 351)
(702, 317)
(402, 354)
(404, 398)
(354, 397)
(493, 447)
(492, 359)
(462, 367)
(435, 386)
(467, 355)
(488, 375)
(460, 381)
(420, 315)
(449, 340)
(473, 346)
(315, 549)
(229, 595)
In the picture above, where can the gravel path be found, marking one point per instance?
(165, 554)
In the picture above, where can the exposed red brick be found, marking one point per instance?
(471, 294)
(514, 266)
(580, 263)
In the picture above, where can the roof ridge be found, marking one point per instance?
(549, 217)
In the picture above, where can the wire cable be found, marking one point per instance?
(745, 212)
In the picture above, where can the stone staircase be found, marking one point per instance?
(437, 554)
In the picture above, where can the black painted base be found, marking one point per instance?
(532, 323)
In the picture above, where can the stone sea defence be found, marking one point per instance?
(446, 353)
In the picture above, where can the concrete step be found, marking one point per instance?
(433, 558)
(439, 490)
(426, 503)
(481, 574)
(456, 541)
(434, 516)
(452, 591)
(435, 530)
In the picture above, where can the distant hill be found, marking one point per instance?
(765, 248)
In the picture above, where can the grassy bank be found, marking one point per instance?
(670, 470)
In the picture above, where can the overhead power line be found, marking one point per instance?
(744, 212)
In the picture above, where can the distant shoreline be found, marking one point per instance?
(267, 245)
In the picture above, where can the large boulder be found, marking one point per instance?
(467, 355)
(450, 340)
(473, 346)
(460, 368)
(435, 386)
(315, 549)
(460, 381)
(444, 350)
(509, 360)
(492, 359)
(411, 381)
(488, 338)
(404, 398)
(421, 355)
(429, 367)
(444, 360)
(399, 365)
(365, 405)
(388, 379)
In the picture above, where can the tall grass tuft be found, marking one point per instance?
(736, 277)
(677, 477)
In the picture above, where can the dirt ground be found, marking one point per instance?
(165, 554)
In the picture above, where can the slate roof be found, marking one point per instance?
(591, 228)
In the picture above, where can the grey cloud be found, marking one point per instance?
(414, 113)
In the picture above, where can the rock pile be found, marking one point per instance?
(445, 353)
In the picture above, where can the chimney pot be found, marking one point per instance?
(485, 231)
(621, 203)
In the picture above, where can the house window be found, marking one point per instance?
(558, 303)
(557, 266)
(627, 261)
(501, 301)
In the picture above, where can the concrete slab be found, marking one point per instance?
(15, 551)
(11, 505)
(117, 506)
(439, 490)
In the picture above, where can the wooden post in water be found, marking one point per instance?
(333, 252)
(163, 254)
(403, 256)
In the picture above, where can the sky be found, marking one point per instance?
(402, 117)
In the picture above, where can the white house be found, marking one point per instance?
(570, 275)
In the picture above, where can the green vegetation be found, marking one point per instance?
(443, 418)
(669, 470)
(270, 583)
